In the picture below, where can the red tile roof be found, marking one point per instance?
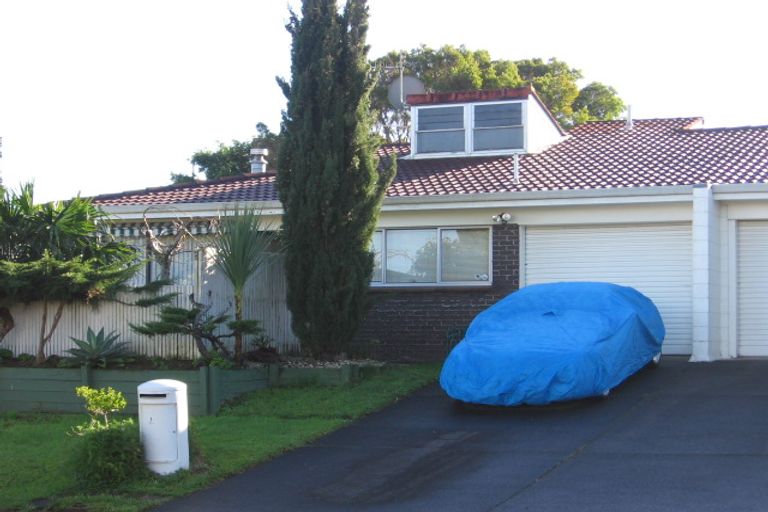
(247, 187)
(598, 155)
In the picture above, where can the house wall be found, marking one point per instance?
(415, 324)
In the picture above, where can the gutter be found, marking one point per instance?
(670, 194)
(636, 195)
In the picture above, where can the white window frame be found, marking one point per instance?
(469, 130)
(439, 268)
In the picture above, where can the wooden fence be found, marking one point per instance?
(193, 273)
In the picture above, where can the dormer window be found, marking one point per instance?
(441, 130)
(498, 126)
(495, 127)
(478, 123)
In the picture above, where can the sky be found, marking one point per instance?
(102, 96)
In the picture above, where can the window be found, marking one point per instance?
(440, 130)
(434, 256)
(494, 127)
(498, 126)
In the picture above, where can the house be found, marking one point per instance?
(493, 195)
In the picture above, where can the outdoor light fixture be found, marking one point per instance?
(502, 217)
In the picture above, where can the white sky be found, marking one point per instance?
(101, 96)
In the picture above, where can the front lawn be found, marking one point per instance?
(35, 448)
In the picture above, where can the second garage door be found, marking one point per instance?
(655, 259)
(752, 293)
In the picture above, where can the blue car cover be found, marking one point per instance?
(552, 342)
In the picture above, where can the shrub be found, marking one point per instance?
(99, 349)
(100, 404)
(110, 453)
(6, 354)
(109, 456)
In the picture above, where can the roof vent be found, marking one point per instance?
(258, 160)
(629, 124)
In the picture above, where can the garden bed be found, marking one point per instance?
(53, 389)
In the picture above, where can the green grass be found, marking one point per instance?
(34, 449)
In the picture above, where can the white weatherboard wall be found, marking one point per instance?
(752, 288)
(654, 258)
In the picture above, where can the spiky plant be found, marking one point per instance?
(243, 244)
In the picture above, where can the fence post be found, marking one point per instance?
(205, 405)
(85, 375)
(273, 374)
(214, 384)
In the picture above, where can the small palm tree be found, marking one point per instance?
(243, 244)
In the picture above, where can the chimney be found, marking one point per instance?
(629, 123)
(258, 160)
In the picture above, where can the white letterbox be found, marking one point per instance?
(163, 424)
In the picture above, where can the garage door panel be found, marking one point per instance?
(752, 288)
(655, 259)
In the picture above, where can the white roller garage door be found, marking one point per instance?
(655, 259)
(752, 283)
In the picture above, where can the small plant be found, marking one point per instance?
(261, 342)
(99, 349)
(100, 403)
(26, 358)
(6, 354)
(109, 457)
(110, 452)
(218, 360)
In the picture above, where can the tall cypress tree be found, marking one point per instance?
(329, 180)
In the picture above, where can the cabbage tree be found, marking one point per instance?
(243, 244)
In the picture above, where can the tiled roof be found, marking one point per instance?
(248, 187)
(598, 155)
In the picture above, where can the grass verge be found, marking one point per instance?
(35, 448)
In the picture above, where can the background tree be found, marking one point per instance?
(597, 102)
(452, 68)
(57, 253)
(230, 160)
(328, 182)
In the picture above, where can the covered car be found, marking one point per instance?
(553, 342)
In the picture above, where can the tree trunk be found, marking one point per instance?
(238, 332)
(45, 338)
(6, 322)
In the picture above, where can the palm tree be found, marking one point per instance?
(242, 244)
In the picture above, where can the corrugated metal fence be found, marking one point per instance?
(193, 273)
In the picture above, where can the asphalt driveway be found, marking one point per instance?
(682, 437)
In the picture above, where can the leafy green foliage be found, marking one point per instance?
(6, 354)
(197, 322)
(108, 457)
(63, 229)
(329, 181)
(597, 102)
(100, 403)
(242, 245)
(449, 68)
(99, 349)
(57, 252)
(233, 159)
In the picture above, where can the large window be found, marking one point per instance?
(440, 130)
(498, 126)
(434, 256)
(493, 127)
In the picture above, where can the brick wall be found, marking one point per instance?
(414, 324)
